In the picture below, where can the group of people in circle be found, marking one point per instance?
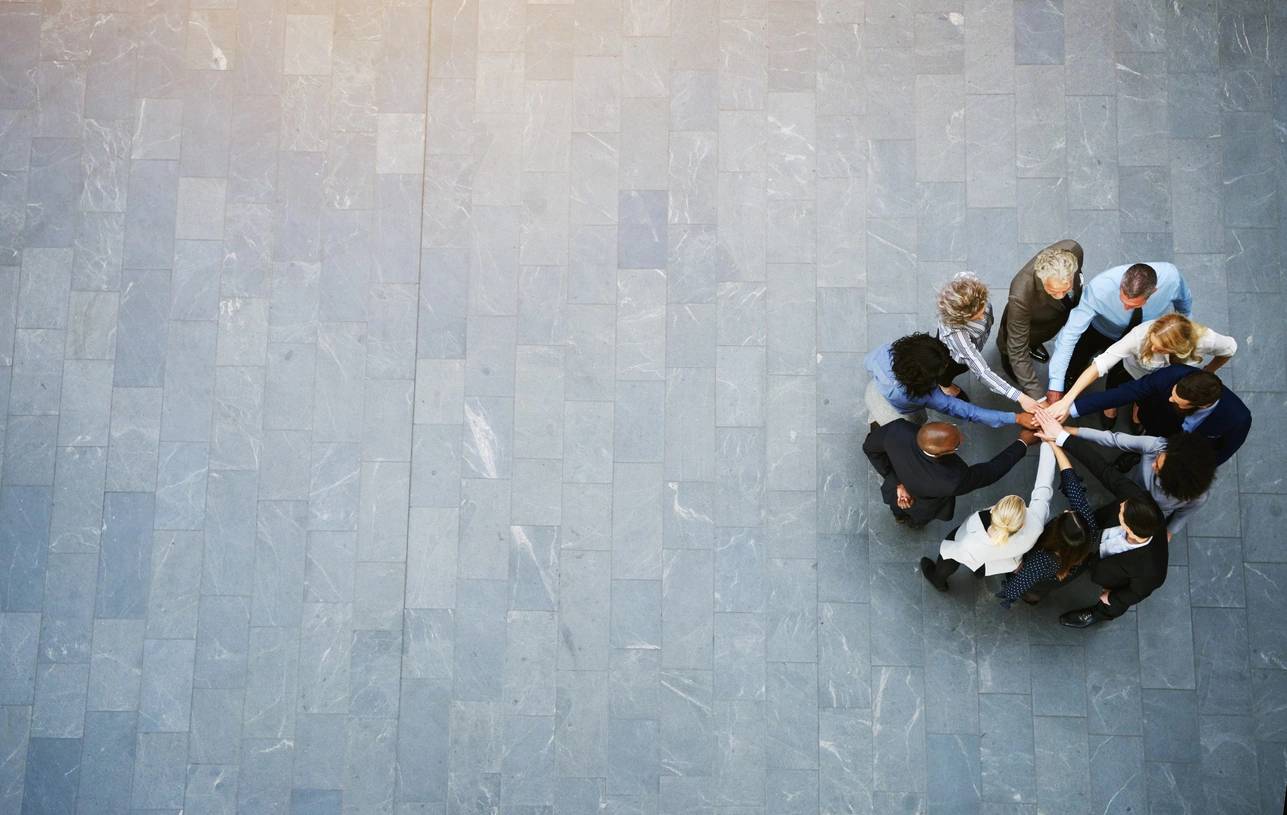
(1131, 325)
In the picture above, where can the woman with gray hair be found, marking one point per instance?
(964, 324)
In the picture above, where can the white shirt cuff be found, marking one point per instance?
(1063, 436)
(1072, 410)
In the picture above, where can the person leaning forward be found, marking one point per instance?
(1131, 560)
(1042, 295)
(922, 473)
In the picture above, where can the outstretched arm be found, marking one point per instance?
(1078, 322)
(967, 411)
(1144, 445)
(1137, 390)
(988, 472)
(963, 348)
(1090, 458)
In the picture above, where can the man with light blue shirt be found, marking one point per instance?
(1113, 303)
(904, 382)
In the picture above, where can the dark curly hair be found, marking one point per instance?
(1143, 517)
(919, 362)
(1189, 467)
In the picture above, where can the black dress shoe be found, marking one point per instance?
(1126, 462)
(1030, 598)
(963, 396)
(1107, 422)
(1040, 354)
(1082, 618)
(927, 569)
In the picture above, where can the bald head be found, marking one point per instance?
(938, 438)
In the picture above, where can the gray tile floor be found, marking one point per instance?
(457, 411)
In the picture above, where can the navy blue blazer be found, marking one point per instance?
(1226, 427)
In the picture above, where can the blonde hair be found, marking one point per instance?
(1008, 516)
(1058, 265)
(960, 299)
(1174, 335)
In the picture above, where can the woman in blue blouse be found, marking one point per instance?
(1063, 546)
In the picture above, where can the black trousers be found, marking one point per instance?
(946, 567)
(1090, 345)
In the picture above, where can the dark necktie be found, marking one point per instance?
(1137, 317)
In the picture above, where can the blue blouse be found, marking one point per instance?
(1039, 565)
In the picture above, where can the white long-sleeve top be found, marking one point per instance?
(973, 547)
(1127, 351)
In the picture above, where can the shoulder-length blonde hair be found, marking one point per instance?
(1008, 516)
(960, 299)
(1174, 336)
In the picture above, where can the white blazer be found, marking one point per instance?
(974, 548)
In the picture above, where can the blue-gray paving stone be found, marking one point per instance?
(215, 735)
(160, 771)
(116, 665)
(739, 651)
(59, 708)
(315, 802)
(844, 643)
(1058, 679)
(791, 520)
(52, 777)
(1220, 646)
(641, 230)
(125, 565)
(632, 756)
(1006, 753)
(688, 736)
(791, 715)
(1173, 787)
(791, 615)
(530, 663)
(264, 780)
(581, 710)
(1117, 778)
(528, 760)
(25, 513)
(898, 707)
(1264, 606)
(1269, 705)
(1215, 573)
(1166, 635)
(107, 762)
(954, 766)
(222, 642)
(30, 451)
(896, 620)
(1229, 772)
(1170, 725)
(1062, 763)
(69, 609)
(634, 683)
(1112, 680)
(165, 696)
(375, 673)
(423, 740)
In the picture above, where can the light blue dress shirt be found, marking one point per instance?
(1101, 308)
(880, 364)
(1197, 417)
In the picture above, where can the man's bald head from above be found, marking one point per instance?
(938, 438)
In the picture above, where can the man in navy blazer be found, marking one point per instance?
(1180, 398)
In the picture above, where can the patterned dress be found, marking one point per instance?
(1039, 565)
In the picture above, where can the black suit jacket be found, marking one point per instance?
(1129, 576)
(1226, 428)
(933, 482)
